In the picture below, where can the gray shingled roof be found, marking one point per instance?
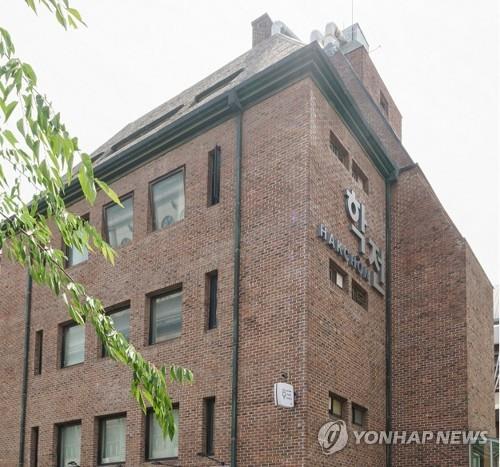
(255, 60)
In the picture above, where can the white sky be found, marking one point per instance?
(439, 59)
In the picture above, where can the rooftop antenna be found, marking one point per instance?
(352, 20)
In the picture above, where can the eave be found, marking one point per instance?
(309, 61)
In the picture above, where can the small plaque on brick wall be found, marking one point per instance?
(283, 395)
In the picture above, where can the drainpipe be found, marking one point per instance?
(235, 103)
(388, 316)
(24, 390)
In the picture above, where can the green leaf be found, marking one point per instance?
(8, 109)
(111, 194)
(28, 71)
(10, 137)
(87, 184)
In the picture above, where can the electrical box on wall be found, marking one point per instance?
(283, 395)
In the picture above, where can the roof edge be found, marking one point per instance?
(310, 60)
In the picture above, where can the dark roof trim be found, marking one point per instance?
(310, 61)
(146, 128)
(218, 85)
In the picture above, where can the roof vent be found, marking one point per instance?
(279, 27)
(331, 40)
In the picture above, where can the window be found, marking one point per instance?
(336, 406)
(167, 197)
(68, 446)
(338, 276)
(74, 255)
(358, 415)
(339, 150)
(158, 446)
(359, 295)
(384, 104)
(121, 320)
(166, 316)
(73, 345)
(112, 434)
(119, 222)
(34, 447)
(211, 294)
(38, 352)
(209, 418)
(214, 176)
(359, 177)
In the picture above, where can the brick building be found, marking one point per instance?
(275, 230)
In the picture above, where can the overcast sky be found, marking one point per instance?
(439, 59)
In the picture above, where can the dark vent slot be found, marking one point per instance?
(145, 129)
(220, 84)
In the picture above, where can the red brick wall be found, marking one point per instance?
(12, 299)
(182, 253)
(273, 277)
(368, 74)
(345, 342)
(480, 363)
(436, 304)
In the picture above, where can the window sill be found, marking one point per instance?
(71, 366)
(150, 344)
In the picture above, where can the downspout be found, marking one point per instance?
(24, 390)
(235, 103)
(388, 316)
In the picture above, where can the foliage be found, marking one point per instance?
(38, 154)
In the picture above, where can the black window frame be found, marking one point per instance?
(110, 312)
(358, 291)
(343, 402)
(361, 410)
(212, 290)
(384, 104)
(152, 297)
(64, 327)
(152, 223)
(105, 230)
(209, 425)
(334, 268)
(360, 177)
(38, 353)
(60, 427)
(67, 248)
(101, 421)
(150, 413)
(214, 179)
(34, 444)
(339, 149)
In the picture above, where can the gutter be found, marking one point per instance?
(24, 390)
(234, 102)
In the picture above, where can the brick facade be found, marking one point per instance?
(295, 324)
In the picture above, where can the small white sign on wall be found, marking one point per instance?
(283, 395)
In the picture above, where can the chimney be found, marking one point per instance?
(261, 29)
